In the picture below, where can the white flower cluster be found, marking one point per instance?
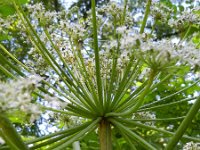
(39, 15)
(1, 141)
(191, 146)
(130, 41)
(188, 52)
(6, 24)
(111, 15)
(166, 51)
(38, 7)
(10, 22)
(144, 73)
(73, 120)
(159, 11)
(57, 23)
(54, 102)
(67, 121)
(186, 17)
(16, 96)
(75, 31)
(156, 54)
(112, 9)
(64, 34)
(145, 115)
(36, 62)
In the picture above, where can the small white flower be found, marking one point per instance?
(186, 17)
(1, 141)
(191, 146)
(121, 30)
(54, 102)
(16, 95)
(145, 115)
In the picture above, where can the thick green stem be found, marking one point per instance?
(105, 135)
(145, 16)
(10, 135)
(184, 125)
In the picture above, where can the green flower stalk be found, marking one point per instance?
(10, 135)
(184, 125)
(147, 11)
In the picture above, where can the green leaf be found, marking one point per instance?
(10, 134)
(6, 10)
(181, 8)
(6, 7)
(17, 117)
(6, 2)
(4, 36)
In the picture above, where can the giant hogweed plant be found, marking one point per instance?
(93, 68)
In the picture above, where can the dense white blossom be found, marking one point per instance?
(54, 102)
(1, 141)
(145, 115)
(191, 146)
(36, 62)
(121, 29)
(166, 51)
(73, 120)
(186, 17)
(16, 95)
(129, 41)
(161, 12)
(188, 52)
